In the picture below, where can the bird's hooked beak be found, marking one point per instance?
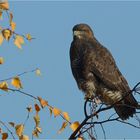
(77, 33)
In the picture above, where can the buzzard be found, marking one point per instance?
(97, 74)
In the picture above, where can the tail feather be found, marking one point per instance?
(125, 112)
(125, 109)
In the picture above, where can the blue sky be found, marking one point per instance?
(115, 25)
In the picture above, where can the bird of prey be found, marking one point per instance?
(97, 74)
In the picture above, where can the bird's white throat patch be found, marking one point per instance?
(78, 33)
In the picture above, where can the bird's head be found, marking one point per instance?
(82, 31)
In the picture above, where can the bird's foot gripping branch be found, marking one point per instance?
(93, 116)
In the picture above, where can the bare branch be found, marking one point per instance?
(20, 74)
(102, 109)
(2, 123)
(28, 115)
(128, 124)
(103, 131)
(24, 93)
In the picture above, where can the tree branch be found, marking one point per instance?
(20, 74)
(101, 109)
(1, 122)
(24, 93)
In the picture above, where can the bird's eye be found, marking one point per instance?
(84, 30)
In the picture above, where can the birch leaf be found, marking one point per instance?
(43, 102)
(56, 111)
(64, 125)
(4, 136)
(74, 125)
(19, 129)
(1, 39)
(16, 82)
(7, 34)
(4, 5)
(4, 86)
(1, 60)
(66, 116)
(19, 41)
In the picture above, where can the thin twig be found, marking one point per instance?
(23, 73)
(128, 123)
(28, 115)
(24, 93)
(91, 136)
(85, 110)
(8, 129)
(135, 87)
(103, 131)
(105, 121)
(82, 132)
(111, 116)
(95, 133)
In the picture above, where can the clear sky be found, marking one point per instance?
(115, 25)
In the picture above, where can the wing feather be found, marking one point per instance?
(103, 65)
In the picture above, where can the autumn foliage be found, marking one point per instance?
(14, 84)
(9, 32)
(12, 130)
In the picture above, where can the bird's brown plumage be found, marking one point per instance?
(97, 74)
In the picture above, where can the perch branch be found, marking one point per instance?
(85, 121)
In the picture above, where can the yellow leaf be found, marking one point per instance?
(66, 116)
(11, 17)
(64, 125)
(4, 5)
(74, 125)
(4, 136)
(12, 124)
(16, 82)
(1, 39)
(23, 137)
(80, 138)
(39, 129)
(4, 86)
(50, 109)
(56, 111)
(1, 60)
(1, 14)
(28, 37)
(29, 109)
(37, 120)
(13, 25)
(19, 129)
(35, 133)
(37, 108)
(19, 41)
(0, 28)
(43, 102)
(38, 72)
(7, 34)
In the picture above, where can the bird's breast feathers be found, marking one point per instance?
(88, 89)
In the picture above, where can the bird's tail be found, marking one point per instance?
(126, 108)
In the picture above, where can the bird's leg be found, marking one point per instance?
(92, 97)
(97, 100)
(89, 96)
